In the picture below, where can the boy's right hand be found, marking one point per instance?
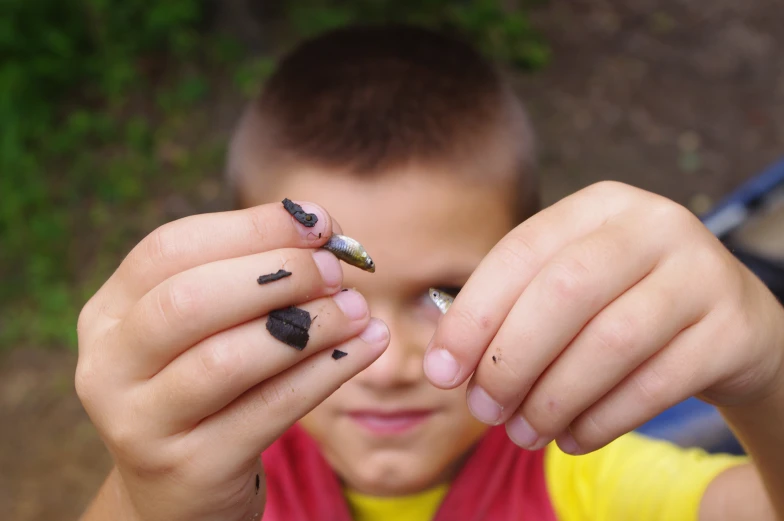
(179, 374)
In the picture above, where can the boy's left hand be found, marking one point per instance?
(599, 313)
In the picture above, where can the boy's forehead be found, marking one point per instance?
(440, 202)
(420, 230)
(414, 224)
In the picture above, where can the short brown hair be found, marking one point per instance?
(366, 99)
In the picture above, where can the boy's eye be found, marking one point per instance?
(450, 290)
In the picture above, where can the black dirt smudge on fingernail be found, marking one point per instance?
(258, 484)
(305, 219)
(272, 277)
(494, 359)
(290, 325)
(337, 354)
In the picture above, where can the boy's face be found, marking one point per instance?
(388, 431)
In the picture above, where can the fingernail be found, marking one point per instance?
(483, 407)
(329, 267)
(376, 332)
(540, 443)
(521, 432)
(311, 221)
(441, 367)
(568, 444)
(352, 304)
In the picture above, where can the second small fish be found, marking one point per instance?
(350, 251)
(442, 300)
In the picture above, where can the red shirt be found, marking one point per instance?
(499, 481)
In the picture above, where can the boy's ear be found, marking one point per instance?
(239, 154)
(234, 200)
(232, 185)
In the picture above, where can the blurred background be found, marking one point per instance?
(114, 117)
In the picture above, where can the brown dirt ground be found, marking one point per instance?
(681, 97)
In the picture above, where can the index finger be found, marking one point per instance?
(465, 331)
(201, 239)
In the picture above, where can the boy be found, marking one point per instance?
(577, 325)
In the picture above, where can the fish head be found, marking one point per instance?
(368, 264)
(441, 299)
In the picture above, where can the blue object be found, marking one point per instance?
(693, 422)
(732, 211)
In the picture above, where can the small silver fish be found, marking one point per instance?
(442, 300)
(350, 251)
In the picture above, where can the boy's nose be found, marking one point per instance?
(401, 363)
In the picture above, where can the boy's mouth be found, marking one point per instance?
(388, 423)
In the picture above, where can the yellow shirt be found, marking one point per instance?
(417, 507)
(632, 478)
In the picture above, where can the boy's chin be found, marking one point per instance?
(397, 469)
(396, 475)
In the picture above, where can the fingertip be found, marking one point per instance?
(351, 303)
(376, 333)
(441, 368)
(329, 267)
(568, 444)
(311, 220)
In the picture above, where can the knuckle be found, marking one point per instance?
(653, 387)
(258, 225)
(564, 279)
(610, 188)
(708, 266)
(274, 394)
(84, 323)
(714, 265)
(124, 438)
(516, 251)
(220, 361)
(180, 302)
(614, 335)
(129, 440)
(158, 248)
(84, 382)
(671, 214)
(466, 321)
(154, 461)
(150, 462)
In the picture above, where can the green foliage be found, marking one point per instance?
(71, 72)
(250, 76)
(94, 97)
